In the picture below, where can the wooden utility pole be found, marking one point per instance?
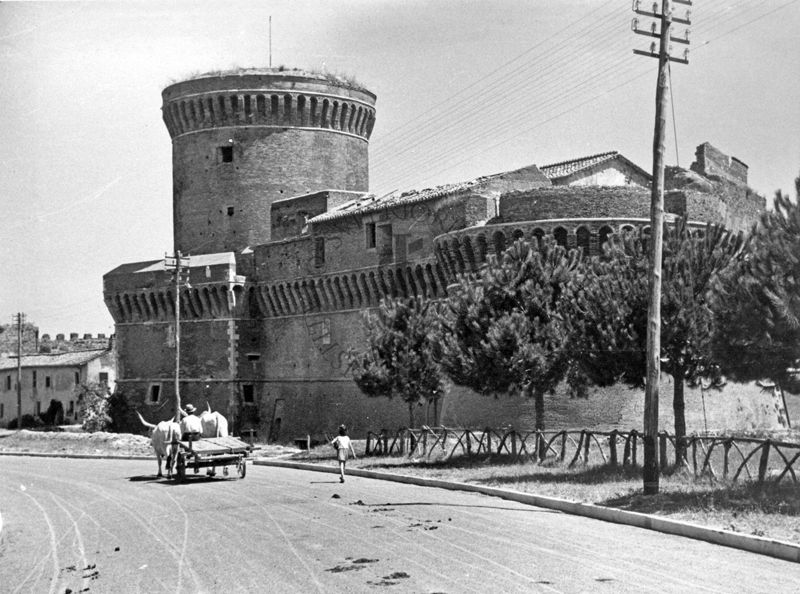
(20, 321)
(177, 263)
(650, 470)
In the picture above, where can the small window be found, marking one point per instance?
(2, 410)
(8, 382)
(319, 251)
(38, 408)
(369, 230)
(34, 378)
(77, 377)
(47, 382)
(103, 377)
(155, 393)
(226, 154)
(230, 211)
(385, 236)
(248, 394)
(253, 356)
(71, 409)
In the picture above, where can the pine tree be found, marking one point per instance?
(758, 302)
(399, 358)
(609, 313)
(501, 329)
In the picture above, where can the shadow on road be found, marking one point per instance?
(147, 478)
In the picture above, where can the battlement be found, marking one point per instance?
(713, 163)
(268, 98)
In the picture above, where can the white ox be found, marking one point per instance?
(214, 424)
(164, 438)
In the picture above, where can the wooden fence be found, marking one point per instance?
(728, 458)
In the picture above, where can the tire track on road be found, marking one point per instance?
(53, 546)
(85, 581)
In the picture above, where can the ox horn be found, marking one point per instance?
(145, 423)
(209, 405)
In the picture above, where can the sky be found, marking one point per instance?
(465, 88)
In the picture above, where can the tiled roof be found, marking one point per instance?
(52, 360)
(565, 168)
(371, 203)
(198, 261)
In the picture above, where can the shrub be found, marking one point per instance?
(93, 406)
(28, 422)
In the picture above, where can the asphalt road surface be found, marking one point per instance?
(99, 526)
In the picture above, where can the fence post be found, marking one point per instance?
(488, 435)
(612, 446)
(694, 454)
(626, 452)
(662, 445)
(469, 443)
(367, 448)
(634, 446)
(586, 445)
(727, 446)
(514, 444)
(385, 442)
(762, 465)
(424, 442)
(563, 445)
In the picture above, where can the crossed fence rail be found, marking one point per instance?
(725, 457)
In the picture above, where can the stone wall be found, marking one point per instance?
(575, 202)
(713, 163)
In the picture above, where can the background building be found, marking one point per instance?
(51, 380)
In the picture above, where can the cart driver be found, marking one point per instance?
(191, 428)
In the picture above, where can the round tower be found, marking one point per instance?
(243, 139)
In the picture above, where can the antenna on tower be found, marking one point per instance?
(270, 41)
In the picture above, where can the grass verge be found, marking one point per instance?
(770, 510)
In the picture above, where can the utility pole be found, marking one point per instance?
(19, 320)
(650, 470)
(177, 263)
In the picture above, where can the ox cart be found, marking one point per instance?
(212, 452)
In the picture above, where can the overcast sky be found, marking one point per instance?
(464, 89)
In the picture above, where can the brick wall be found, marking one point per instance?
(221, 206)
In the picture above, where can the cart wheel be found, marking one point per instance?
(241, 467)
(181, 468)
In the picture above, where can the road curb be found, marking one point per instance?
(754, 544)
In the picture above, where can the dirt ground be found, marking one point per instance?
(73, 441)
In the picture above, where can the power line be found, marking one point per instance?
(477, 134)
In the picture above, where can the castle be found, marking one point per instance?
(287, 248)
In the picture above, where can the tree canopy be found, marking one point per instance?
(757, 302)
(399, 359)
(501, 329)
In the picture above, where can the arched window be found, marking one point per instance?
(538, 235)
(602, 235)
(582, 239)
(560, 235)
(499, 241)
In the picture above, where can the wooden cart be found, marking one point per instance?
(212, 452)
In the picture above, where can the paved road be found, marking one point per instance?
(109, 526)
